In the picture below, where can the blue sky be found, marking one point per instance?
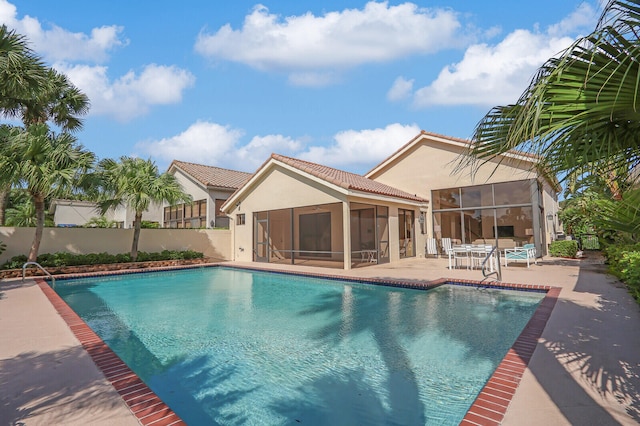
(342, 83)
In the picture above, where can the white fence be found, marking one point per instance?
(214, 243)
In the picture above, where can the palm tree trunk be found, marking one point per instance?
(136, 236)
(38, 200)
(4, 201)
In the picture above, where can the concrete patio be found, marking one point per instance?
(584, 371)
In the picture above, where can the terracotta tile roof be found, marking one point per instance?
(213, 176)
(346, 180)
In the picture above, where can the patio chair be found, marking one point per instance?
(461, 254)
(445, 244)
(479, 253)
(431, 248)
(404, 246)
(527, 253)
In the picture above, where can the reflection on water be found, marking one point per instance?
(235, 347)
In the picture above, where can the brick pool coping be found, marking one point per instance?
(488, 408)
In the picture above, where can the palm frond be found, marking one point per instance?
(581, 110)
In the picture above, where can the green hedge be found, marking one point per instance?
(624, 262)
(566, 248)
(69, 259)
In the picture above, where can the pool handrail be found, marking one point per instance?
(24, 269)
(498, 270)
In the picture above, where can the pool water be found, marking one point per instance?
(227, 346)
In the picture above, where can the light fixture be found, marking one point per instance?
(549, 217)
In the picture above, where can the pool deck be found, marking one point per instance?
(585, 368)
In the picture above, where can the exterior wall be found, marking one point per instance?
(80, 212)
(550, 204)
(213, 243)
(430, 166)
(199, 192)
(278, 189)
(128, 216)
(74, 214)
(211, 206)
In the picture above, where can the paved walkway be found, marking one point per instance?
(584, 371)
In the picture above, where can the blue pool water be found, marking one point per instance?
(231, 347)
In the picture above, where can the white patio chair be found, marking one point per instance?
(431, 248)
(445, 244)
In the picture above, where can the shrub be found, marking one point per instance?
(567, 248)
(630, 272)
(69, 259)
(624, 263)
(3, 247)
(15, 262)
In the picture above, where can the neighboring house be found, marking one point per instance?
(209, 188)
(70, 213)
(292, 211)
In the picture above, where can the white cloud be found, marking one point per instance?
(201, 143)
(497, 74)
(583, 17)
(401, 89)
(132, 94)
(492, 75)
(333, 41)
(58, 44)
(217, 145)
(357, 149)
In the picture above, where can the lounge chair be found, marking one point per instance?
(526, 253)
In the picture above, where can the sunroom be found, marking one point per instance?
(301, 213)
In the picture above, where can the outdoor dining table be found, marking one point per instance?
(469, 253)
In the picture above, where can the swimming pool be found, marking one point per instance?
(229, 346)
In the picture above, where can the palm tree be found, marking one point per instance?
(21, 70)
(21, 73)
(136, 183)
(56, 100)
(581, 112)
(46, 165)
(22, 215)
(34, 93)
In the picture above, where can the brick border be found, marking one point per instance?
(148, 408)
(491, 403)
(488, 408)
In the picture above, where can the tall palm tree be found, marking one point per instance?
(34, 93)
(21, 74)
(56, 100)
(21, 70)
(137, 184)
(46, 165)
(581, 112)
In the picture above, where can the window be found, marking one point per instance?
(240, 220)
(485, 213)
(192, 215)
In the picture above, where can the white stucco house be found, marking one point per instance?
(294, 211)
(209, 188)
(71, 213)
